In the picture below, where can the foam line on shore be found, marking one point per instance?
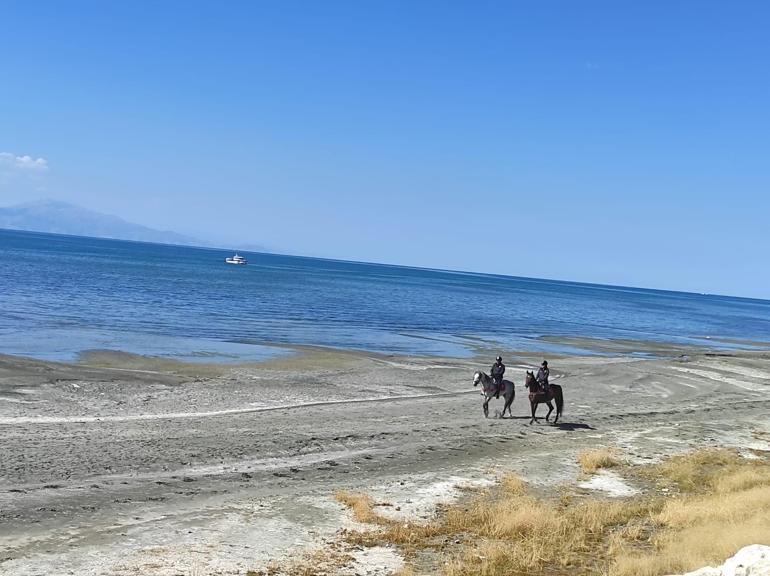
(11, 420)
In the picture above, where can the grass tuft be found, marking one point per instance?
(592, 460)
(361, 505)
(512, 484)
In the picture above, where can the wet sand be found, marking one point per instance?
(126, 465)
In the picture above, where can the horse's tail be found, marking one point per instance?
(558, 397)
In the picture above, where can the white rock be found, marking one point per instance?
(707, 571)
(610, 483)
(751, 560)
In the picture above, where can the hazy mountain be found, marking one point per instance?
(61, 218)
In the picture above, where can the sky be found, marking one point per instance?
(608, 141)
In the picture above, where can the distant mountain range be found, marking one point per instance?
(57, 217)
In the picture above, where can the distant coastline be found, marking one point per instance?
(55, 217)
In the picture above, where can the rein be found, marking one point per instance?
(486, 383)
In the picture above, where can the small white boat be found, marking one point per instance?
(237, 259)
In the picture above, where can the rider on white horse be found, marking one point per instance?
(498, 369)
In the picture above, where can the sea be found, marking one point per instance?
(62, 296)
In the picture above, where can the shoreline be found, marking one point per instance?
(97, 479)
(82, 347)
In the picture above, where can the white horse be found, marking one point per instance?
(488, 390)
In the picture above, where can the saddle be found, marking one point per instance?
(540, 391)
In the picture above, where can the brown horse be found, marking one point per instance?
(538, 396)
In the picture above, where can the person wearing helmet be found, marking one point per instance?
(542, 376)
(498, 369)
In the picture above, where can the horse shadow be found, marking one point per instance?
(572, 426)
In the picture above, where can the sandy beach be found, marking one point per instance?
(126, 465)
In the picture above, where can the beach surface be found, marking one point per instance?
(127, 465)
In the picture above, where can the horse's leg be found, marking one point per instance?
(486, 407)
(533, 404)
(508, 402)
(559, 397)
(550, 409)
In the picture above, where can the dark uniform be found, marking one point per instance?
(542, 376)
(498, 369)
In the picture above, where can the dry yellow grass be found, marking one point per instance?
(719, 503)
(722, 504)
(512, 484)
(406, 570)
(678, 551)
(694, 470)
(361, 505)
(323, 562)
(727, 509)
(408, 535)
(742, 479)
(591, 460)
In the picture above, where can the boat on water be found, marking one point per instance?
(237, 259)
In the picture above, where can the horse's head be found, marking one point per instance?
(476, 378)
(530, 379)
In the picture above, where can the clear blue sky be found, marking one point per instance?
(616, 141)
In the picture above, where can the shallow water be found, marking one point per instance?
(61, 295)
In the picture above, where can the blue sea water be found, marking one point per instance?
(62, 295)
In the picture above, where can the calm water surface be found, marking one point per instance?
(61, 295)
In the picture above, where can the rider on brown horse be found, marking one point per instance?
(498, 369)
(540, 392)
(542, 376)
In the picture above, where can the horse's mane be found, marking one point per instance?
(484, 376)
